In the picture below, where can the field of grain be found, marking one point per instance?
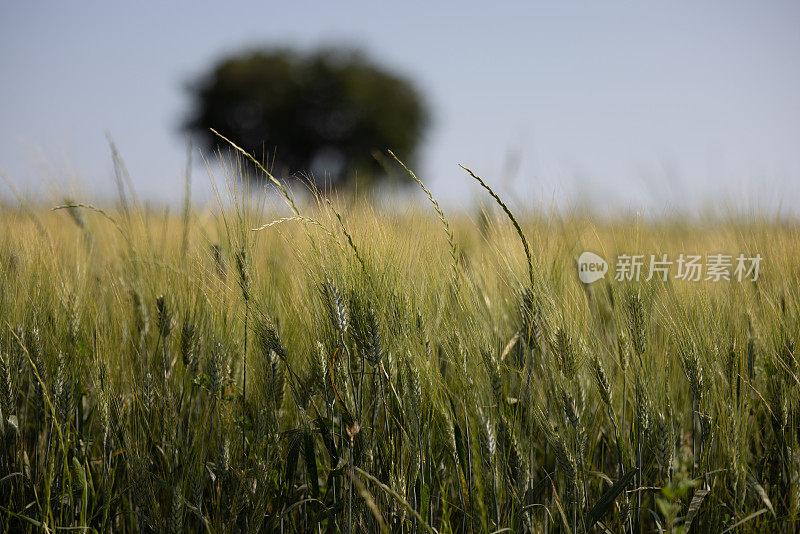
(345, 369)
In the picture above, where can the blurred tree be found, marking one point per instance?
(324, 113)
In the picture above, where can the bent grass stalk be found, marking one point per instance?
(511, 217)
(448, 232)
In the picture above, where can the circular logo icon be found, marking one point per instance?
(591, 267)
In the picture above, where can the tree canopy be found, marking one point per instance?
(323, 114)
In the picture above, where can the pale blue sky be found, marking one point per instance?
(640, 105)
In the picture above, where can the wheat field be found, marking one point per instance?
(348, 369)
